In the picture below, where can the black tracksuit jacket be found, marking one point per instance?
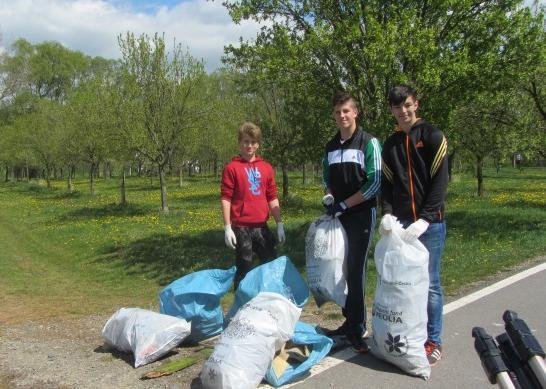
(415, 174)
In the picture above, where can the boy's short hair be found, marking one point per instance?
(399, 93)
(341, 97)
(252, 130)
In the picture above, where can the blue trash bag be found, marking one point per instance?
(196, 298)
(278, 276)
(319, 346)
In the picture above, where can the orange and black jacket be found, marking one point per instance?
(415, 175)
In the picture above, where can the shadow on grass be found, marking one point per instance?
(104, 211)
(198, 199)
(495, 224)
(67, 195)
(166, 258)
(511, 176)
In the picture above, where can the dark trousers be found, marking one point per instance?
(359, 227)
(252, 240)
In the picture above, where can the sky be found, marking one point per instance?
(92, 26)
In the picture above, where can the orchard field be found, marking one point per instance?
(72, 254)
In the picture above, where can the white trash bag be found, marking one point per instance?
(247, 346)
(326, 253)
(400, 305)
(148, 335)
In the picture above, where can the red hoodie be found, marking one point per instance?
(249, 186)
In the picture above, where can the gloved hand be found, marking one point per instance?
(327, 200)
(280, 233)
(414, 230)
(386, 223)
(229, 237)
(337, 209)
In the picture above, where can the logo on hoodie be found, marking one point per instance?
(254, 179)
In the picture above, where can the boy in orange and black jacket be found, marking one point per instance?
(413, 188)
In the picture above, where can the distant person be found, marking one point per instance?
(414, 185)
(248, 195)
(352, 178)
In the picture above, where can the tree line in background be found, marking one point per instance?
(479, 66)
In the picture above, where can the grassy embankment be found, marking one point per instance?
(74, 254)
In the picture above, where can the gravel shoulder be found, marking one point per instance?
(70, 353)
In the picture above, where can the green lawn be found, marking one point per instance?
(77, 254)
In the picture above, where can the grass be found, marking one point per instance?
(76, 254)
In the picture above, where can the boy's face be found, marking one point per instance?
(405, 113)
(248, 147)
(345, 115)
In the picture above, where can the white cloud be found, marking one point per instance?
(92, 26)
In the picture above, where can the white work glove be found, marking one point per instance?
(414, 230)
(229, 237)
(327, 200)
(280, 233)
(386, 223)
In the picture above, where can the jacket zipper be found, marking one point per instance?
(410, 178)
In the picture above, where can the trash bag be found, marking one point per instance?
(148, 335)
(278, 276)
(318, 345)
(196, 298)
(400, 305)
(247, 346)
(326, 252)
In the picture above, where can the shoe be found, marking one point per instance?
(340, 331)
(357, 344)
(434, 352)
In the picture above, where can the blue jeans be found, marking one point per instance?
(434, 240)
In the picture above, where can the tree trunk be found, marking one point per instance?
(139, 168)
(163, 184)
(303, 173)
(48, 180)
(70, 184)
(6, 179)
(92, 179)
(450, 159)
(180, 176)
(215, 167)
(284, 181)
(479, 174)
(27, 171)
(123, 197)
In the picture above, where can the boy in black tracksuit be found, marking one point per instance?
(413, 188)
(352, 178)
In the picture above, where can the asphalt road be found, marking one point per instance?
(460, 367)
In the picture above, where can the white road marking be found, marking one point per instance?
(492, 288)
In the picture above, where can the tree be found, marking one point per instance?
(91, 124)
(451, 51)
(164, 87)
(488, 129)
(41, 132)
(293, 112)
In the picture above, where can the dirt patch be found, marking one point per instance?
(69, 353)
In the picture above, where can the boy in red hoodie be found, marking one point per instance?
(248, 194)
